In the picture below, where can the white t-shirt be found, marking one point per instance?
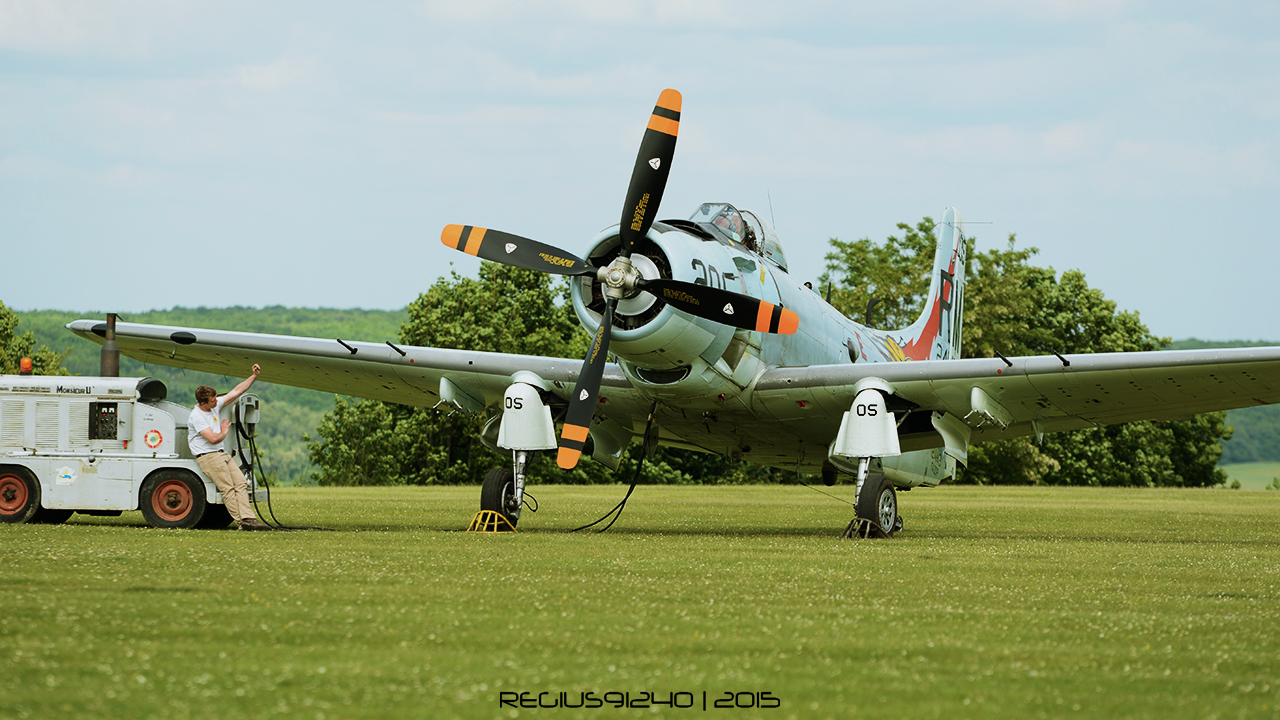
(198, 421)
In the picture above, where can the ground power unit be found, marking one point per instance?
(104, 446)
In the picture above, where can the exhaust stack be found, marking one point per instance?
(109, 365)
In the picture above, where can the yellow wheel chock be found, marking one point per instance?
(863, 528)
(490, 521)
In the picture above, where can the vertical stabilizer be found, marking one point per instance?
(936, 334)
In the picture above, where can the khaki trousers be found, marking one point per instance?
(225, 474)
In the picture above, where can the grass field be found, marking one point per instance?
(994, 603)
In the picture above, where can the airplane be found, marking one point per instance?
(719, 349)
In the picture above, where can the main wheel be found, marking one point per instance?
(878, 502)
(499, 494)
(19, 495)
(172, 499)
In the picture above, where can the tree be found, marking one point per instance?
(1016, 308)
(370, 456)
(14, 347)
(895, 273)
(367, 442)
(505, 310)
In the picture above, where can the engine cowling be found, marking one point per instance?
(658, 340)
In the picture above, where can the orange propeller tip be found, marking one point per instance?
(788, 323)
(567, 458)
(670, 99)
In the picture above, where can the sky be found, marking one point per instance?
(157, 153)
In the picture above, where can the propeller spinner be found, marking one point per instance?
(620, 278)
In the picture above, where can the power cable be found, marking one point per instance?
(617, 509)
(821, 492)
(252, 462)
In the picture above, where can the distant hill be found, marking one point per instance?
(1196, 344)
(287, 412)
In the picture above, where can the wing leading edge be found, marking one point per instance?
(378, 371)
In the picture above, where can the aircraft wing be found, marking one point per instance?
(402, 374)
(1035, 394)
(996, 399)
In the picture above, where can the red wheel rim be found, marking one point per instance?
(13, 494)
(172, 500)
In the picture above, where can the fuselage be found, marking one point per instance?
(702, 373)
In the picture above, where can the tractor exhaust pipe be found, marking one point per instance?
(109, 365)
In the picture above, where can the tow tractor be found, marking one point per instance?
(104, 446)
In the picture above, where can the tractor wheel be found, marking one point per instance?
(172, 499)
(19, 494)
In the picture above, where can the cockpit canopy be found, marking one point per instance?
(741, 228)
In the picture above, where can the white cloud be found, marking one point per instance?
(723, 14)
(1152, 169)
(1057, 11)
(126, 28)
(276, 75)
(37, 170)
(1070, 140)
(279, 123)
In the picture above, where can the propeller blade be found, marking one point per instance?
(582, 406)
(653, 165)
(724, 306)
(513, 250)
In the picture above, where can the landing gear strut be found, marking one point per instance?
(524, 429)
(877, 506)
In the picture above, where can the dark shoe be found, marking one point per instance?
(253, 524)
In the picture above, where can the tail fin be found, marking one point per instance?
(936, 334)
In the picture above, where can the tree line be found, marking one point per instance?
(1014, 307)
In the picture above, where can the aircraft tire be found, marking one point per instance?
(499, 487)
(878, 502)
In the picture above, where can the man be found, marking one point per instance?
(205, 433)
(731, 222)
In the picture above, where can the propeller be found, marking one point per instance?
(649, 177)
(582, 406)
(620, 279)
(723, 306)
(648, 181)
(514, 250)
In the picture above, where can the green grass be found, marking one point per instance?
(994, 603)
(1254, 475)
